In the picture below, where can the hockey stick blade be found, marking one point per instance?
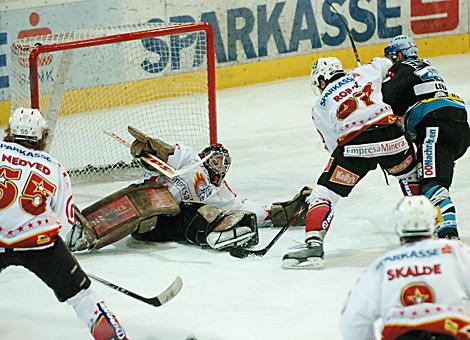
(242, 253)
(168, 294)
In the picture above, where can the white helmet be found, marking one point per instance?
(414, 216)
(325, 68)
(27, 124)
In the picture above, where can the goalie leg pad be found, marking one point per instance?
(222, 229)
(132, 209)
(282, 212)
(233, 237)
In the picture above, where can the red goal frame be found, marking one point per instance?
(152, 33)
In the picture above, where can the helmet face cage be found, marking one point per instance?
(403, 44)
(27, 124)
(325, 68)
(218, 163)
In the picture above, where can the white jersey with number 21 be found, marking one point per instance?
(352, 103)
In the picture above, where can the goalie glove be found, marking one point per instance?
(144, 144)
(282, 212)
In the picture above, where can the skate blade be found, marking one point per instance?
(309, 263)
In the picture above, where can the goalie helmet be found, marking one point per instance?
(401, 43)
(415, 216)
(218, 163)
(325, 68)
(27, 124)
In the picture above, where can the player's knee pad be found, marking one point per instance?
(322, 192)
(92, 311)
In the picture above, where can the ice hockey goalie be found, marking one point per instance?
(149, 212)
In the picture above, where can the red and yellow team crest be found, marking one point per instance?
(199, 179)
(417, 293)
(201, 186)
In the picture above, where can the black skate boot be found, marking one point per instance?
(308, 256)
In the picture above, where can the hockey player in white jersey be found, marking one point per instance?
(420, 290)
(36, 210)
(360, 132)
(200, 206)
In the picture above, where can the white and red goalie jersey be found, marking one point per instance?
(35, 198)
(352, 103)
(196, 185)
(423, 285)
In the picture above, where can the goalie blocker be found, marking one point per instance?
(150, 213)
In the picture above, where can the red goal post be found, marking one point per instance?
(159, 79)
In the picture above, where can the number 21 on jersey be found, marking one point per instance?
(351, 104)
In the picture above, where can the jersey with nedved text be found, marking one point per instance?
(418, 284)
(352, 103)
(35, 198)
(196, 186)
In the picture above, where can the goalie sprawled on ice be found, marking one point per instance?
(197, 206)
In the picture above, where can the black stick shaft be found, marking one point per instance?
(116, 287)
(353, 44)
(173, 289)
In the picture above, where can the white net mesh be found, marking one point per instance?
(158, 85)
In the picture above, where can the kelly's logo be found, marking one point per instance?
(344, 177)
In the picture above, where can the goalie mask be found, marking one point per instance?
(218, 163)
(27, 124)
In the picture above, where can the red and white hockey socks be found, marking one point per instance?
(318, 221)
(320, 213)
(92, 310)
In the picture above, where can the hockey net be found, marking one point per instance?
(159, 79)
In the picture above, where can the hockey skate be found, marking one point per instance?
(308, 256)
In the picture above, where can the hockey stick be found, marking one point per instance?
(243, 252)
(356, 54)
(173, 289)
(156, 162)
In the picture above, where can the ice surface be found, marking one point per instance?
(275, 152)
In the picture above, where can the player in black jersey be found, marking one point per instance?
(436, 121)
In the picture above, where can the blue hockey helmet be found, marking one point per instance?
(401, 43)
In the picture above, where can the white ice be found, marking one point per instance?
(275, 151)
